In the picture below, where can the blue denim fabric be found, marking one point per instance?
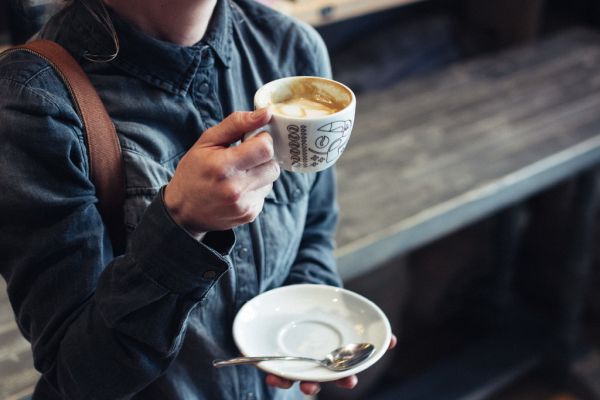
(148, 323)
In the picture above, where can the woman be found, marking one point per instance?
(209, 225)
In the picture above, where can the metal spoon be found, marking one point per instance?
(340, 359)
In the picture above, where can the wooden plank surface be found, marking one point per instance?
(17, 375)
(322, 12)
(434, 154)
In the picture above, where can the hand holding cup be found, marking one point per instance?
(217, 186)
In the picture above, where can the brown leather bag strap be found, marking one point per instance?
(104, 150)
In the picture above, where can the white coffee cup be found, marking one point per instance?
(311, 123)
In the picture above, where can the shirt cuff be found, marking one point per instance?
(174, 259)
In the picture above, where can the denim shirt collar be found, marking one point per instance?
(165, 65)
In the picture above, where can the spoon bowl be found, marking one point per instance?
(340, 359)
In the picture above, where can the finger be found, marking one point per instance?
(252, 152)
(239, 214)
(279, 382)
(393, 342)
(347, 383)
(262, 176)
(310, 388)
(260, 193)
(251, 214)
(232, 128)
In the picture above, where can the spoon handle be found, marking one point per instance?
(254, 360)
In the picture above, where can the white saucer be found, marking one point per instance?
(309, 320)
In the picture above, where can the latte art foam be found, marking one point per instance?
(308, 98)
(303, 108)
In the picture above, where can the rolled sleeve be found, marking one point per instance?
(174, 259)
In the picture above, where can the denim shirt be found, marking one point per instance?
(147, 324)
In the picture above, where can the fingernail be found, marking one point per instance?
(258, 114)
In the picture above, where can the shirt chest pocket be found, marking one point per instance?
(282, 223)
(144, 177)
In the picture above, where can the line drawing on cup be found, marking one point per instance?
(330, 146)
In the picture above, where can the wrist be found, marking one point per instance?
(174, 212)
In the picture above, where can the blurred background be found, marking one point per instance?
(467, 328)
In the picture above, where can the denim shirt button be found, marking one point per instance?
(242, 253)
(296, 194)
(209, 274)
(203, 89)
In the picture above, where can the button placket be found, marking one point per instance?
(204, 88)
(245, 270)
(242, 253)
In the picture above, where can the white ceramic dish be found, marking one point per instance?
(309, 320)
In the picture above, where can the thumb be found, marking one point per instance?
(233, 128)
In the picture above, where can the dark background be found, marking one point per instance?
(435, 297)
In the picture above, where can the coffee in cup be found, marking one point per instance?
(312, 120)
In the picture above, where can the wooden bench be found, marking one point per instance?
(432, 155)
(322, 12)
(435, 154)
(438, 153)
(16, 366)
